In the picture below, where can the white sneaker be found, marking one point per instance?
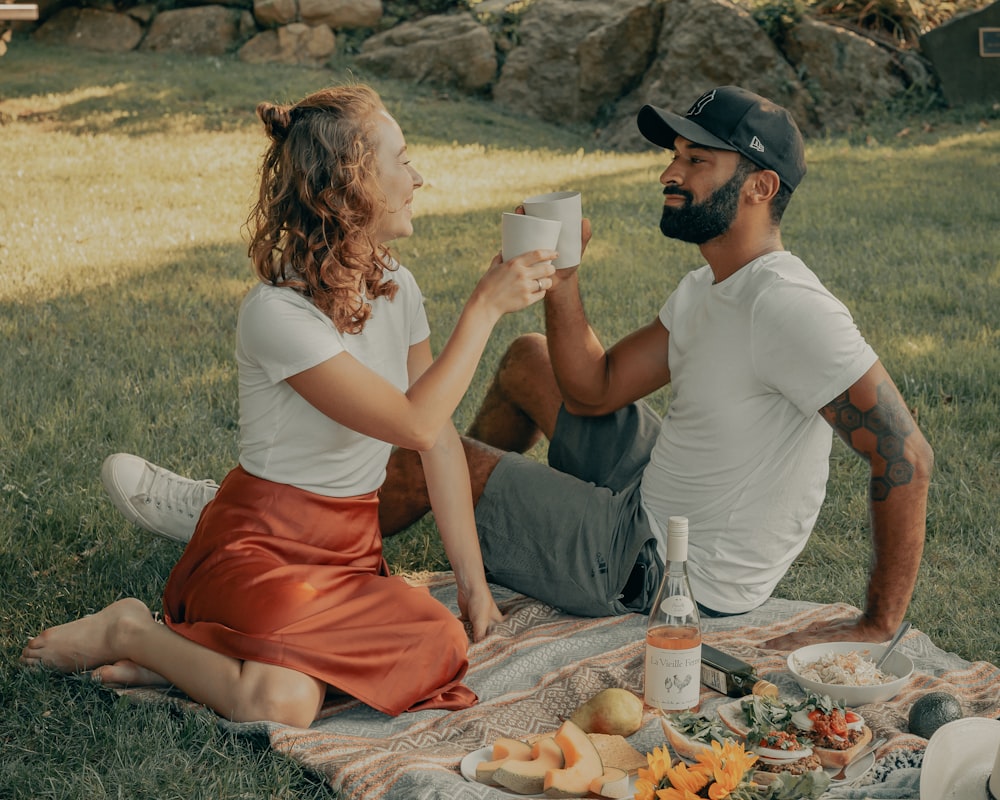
(156, 499)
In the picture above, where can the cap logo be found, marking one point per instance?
(757, 144)
(700, 103)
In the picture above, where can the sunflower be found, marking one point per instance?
(716, 774)
(728, 765)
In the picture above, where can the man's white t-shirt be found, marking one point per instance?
(283, 438)
(743, 452)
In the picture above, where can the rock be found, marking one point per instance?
(105, 31)
(846, 74)
(205, 30)
(273, 13)
(341, 14)
(296, 43)
(703, 44)
(451, 49)
(576, 56)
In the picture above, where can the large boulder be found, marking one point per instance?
(449, 49)
(91, 28)
(574, 57)
(846, 74)
(205, 30)
(296, 43)
(341, 14)
(273, 13)
(702, 44)
(48, 8)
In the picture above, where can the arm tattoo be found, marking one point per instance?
(887, 424)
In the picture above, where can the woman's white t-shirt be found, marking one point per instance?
(743, 452)
(283, 438)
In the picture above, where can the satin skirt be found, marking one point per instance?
(279, 575)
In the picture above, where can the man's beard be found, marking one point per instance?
(698, 223)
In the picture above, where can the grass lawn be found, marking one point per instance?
(124, 184)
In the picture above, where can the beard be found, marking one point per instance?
(698, 223)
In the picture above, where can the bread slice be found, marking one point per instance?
(733, 717)
(683, 746)
(615, 751)
(842, 756)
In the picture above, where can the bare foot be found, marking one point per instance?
(127, 673)
(88, 642)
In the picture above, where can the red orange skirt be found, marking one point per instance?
(282, 576)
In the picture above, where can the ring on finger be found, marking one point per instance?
(539, 282)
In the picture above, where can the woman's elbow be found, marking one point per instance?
(419, 438)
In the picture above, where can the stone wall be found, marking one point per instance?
(592, 62)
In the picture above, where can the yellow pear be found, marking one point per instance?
(612, 711)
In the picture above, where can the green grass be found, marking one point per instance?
(124, 185)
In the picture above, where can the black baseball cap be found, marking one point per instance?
(731, 118)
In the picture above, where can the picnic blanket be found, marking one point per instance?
(540, 664)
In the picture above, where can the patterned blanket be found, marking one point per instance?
(540, 664)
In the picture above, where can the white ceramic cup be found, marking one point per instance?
(565, 207)
(521, 233)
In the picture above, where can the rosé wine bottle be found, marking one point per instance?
(673, 632)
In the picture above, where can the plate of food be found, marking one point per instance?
(600, 765)
(835, 733)
(689, 733)
(846, 671)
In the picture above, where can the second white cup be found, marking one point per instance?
(565, 207)
(521, 233)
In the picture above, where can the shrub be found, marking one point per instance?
(899, 22)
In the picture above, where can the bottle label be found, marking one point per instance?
(714, 678)
(672, 680)
(677, 606)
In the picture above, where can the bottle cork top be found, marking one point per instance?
(765, 689)
(677, 539)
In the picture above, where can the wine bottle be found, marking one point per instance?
(732, 676)
(673, 632)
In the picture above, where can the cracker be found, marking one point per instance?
(615, 751)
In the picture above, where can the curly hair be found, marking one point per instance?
(313, 226)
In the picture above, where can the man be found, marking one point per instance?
(762, 362)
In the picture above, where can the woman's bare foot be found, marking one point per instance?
(127, 673)
(88, 642)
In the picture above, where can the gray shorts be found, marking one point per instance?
(574, 534)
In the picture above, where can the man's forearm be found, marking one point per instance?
(898, 541)
(578, 357)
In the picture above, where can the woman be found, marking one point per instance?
(283, 594)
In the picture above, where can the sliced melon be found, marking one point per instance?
(503, 749)
(613, 783)
(528, 777)
(583, 763)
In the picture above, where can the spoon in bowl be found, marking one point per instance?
(900, 633)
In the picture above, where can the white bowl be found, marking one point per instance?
(897, 664)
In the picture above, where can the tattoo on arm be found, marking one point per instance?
(880, 430)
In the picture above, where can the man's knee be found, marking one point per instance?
(526, 359)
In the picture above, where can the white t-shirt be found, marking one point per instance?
(283, 438)
(743, 452)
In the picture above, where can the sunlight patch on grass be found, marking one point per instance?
(40, 104)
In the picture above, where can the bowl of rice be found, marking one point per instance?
(846, 671)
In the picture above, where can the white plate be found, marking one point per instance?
(856, 771)
(468, 769)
